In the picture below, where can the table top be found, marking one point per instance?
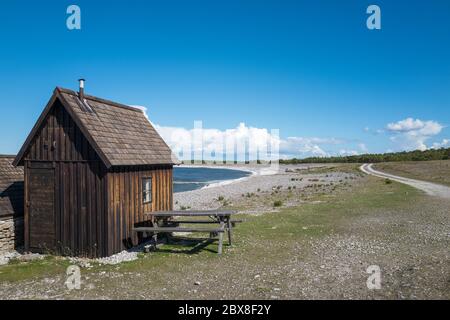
(192, 213)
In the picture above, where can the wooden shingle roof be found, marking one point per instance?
(120, 134)
(11, 188)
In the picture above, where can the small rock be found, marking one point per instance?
(90, 286)
(120, 257)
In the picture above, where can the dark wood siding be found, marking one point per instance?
(126, 207)
(60, 139)
(79, 183)
(42, 208)
(81, 205)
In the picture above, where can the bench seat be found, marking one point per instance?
(177, 229)
(201, 221)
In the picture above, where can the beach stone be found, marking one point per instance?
(30, 257)
(6, 257)
(11, 234)
(124, 256)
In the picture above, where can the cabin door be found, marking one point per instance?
(41, 194)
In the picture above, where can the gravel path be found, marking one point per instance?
(430, 188)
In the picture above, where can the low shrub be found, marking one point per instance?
(277, 203)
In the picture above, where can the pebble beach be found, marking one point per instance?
(263, 181)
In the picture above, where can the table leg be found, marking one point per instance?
(155, 236)
(229, 229)
(221, 238)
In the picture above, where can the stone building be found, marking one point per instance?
(11, 204)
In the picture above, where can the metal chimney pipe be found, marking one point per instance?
(81, 90)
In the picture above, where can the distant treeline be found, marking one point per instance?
(417, 155)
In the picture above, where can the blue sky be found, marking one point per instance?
(308, 68)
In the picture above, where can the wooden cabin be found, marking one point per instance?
(93, 168)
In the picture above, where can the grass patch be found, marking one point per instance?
(433, 171)
(17, 271)
(341, 167)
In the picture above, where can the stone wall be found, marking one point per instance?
(11, 233)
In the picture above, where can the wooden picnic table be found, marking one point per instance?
(164, 223)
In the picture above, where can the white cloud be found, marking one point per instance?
(412, 134)
(344, 152)
(306, 146)
(363, 148)
(406, 125)
(212, 143)
(445, 143)
(249, 139)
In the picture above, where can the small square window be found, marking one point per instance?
(147, 190)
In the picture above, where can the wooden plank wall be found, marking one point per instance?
(59, 139)
(42, 199)
(125, 201)
(81, 209)
(80, 185)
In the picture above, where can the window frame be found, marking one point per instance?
(145, 191)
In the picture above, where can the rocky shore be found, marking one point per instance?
(265, 182)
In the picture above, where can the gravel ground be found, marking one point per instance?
(407, 238)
